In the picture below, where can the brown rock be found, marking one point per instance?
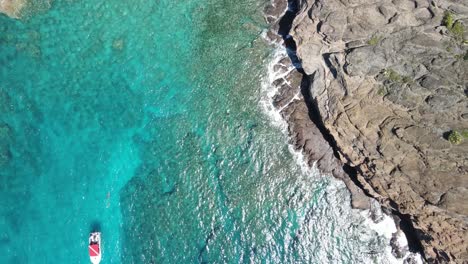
(387, 86)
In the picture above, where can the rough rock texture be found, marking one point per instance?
(289, 101)
(12, 8)
(305, 135)
(388, 82)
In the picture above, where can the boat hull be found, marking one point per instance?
(94, 247)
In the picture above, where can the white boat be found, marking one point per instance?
(94, 247)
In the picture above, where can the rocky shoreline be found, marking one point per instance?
(368, 102)
(307, 136)
(315, 151)
(375, 94)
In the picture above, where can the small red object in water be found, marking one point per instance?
(93, 250)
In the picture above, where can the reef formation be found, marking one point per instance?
(12, 8)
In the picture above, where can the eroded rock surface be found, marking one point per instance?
(305, 135)
(388, 81)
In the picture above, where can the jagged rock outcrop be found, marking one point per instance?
(306, 136)
(388, 81)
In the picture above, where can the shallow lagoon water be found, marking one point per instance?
(143, 119)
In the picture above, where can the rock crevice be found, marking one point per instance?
(383, 86)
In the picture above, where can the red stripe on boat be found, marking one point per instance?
(94, 250)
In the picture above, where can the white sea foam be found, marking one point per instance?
(267, 94)
(336, 191)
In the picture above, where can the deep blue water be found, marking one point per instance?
(143, 119)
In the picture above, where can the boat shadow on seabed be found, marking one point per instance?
(95, 226)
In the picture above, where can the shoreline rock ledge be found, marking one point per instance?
(382, 87)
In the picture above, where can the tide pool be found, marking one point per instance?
(143, 119)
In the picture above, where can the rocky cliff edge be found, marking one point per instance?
(385, 83)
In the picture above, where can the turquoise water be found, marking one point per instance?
(143, 119)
